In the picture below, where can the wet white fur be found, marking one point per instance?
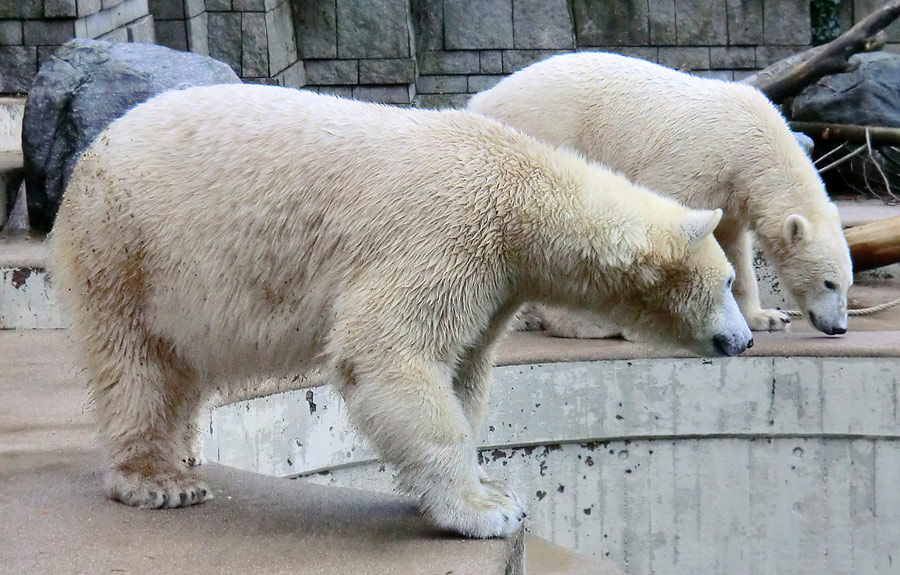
(707, 143)
(220, 233)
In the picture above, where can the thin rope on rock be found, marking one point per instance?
(854, 312)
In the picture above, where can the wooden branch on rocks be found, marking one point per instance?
(788, 77)
(879, 136)
(874, 245)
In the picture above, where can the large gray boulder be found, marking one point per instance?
(868, 96)
(81, 89)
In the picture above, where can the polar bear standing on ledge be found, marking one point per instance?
(707, 143)
(225, 232)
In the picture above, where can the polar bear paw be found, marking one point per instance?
(768, 320)
(157, 491)
(494, 510)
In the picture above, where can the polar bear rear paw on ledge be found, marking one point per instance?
(152, 489)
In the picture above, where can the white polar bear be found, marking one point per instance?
(707, 143)
(226, 232)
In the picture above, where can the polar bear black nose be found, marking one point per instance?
(729, 346)
(827, 327)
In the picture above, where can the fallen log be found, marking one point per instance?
(878, 135)
(875, 244)
(788, 77)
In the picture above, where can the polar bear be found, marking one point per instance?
(225, 232)
(708, 144)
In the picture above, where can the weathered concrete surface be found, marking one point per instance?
(545, 558)
(11, 160)
(306, 431)
(11, 112)
(55, 520)
(741, 466)
(27, 300)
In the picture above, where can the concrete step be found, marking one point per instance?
(27, 300)
(609, 421)
(543, 557)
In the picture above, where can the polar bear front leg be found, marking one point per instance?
(409, 410)
(738, 246)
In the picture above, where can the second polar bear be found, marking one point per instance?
(707, 143)
(220, 233)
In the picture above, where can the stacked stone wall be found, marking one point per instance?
(31, 29)
(429, 53)
(255, 37)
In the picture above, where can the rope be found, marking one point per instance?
(854, 312)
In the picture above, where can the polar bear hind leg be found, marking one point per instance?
(147, 400)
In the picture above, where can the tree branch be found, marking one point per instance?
(878, 136)
(788, 77)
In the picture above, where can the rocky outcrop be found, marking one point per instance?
(79, 91)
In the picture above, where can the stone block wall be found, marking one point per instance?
(469, 45)
(429, 53)
(31, 29)
(255, 37)
(363, 50)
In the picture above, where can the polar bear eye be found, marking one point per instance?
(831, 286)
(728, 283)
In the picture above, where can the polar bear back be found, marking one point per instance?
(232, 219)
(265, 202)
(691, 138)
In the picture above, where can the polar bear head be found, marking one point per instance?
(815, 264)
(688, 300)
(659, 275)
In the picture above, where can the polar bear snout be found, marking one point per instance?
(734, 335)
(827, 309)
(829, 325)
(732, 344)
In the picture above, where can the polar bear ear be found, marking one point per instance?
(796, 228)
(699, 224)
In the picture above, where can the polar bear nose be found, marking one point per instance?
(834, 327)
(730, 345)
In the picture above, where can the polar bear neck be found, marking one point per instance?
(777, 179)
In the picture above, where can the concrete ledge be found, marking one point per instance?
(661, 465)
(535, 347)
(23, 252)
(55, 520)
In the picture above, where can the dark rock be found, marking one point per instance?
(868, 96)
(84, 87)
